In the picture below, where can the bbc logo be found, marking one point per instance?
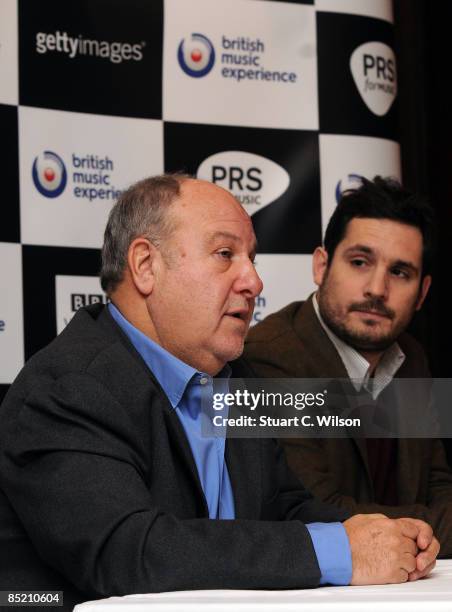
(78, 300)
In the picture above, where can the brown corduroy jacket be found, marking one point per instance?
(292, 343)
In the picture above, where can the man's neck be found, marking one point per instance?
(373, 358)
(136, 313)
(362, 365)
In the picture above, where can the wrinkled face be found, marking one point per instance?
(369, 291)
(202, 301)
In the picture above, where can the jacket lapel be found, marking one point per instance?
(323, 352)
(181, 446)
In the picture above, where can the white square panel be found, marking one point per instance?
(11, 312)
(381, 9)
(9, 75)
(343, 159)
(286, 278)
(73, 167)
(240, 62)
(72, 293)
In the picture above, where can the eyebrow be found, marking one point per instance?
(233, 237)
(400, 263)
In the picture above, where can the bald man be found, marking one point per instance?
(109, 486)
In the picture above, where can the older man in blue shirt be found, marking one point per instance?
(109, 486)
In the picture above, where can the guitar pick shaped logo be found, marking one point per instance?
(254, 180)
(373, 67)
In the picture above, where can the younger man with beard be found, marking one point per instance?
(372, 274)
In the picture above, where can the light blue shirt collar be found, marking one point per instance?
(172, 374)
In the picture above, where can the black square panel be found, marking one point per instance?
(291, 222)
(92, 56)
(341, 107)
(9, 164)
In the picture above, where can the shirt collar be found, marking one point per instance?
(358, 368)
(173, 375)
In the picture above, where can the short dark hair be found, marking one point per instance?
(141, 210)
(383, 198)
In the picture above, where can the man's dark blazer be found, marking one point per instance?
(292, 343)
(99, 492)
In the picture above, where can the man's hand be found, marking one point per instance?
(428, 547)
(386, 550)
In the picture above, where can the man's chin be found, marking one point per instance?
(370, 344)
(364, 339)
(231, 352)
(365, 332)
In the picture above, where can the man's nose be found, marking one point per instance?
(377, 285)
(249, 282)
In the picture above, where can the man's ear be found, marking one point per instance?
(319, 265)
(425, 286)
(141, 259)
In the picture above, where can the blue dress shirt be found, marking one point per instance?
(183, 385)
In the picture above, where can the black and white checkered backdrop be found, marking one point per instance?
(284, 103)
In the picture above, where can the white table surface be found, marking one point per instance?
(430, 594)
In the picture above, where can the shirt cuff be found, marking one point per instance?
(332, 547)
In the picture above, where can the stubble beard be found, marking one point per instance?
(360, 340)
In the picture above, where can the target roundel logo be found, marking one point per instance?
(49, 174)
(350, 182)
(196, 55)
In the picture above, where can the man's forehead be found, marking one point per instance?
(203, 193)
(236, 237)
(210, 203)
(379, 230)
(386, 237)
(213, 213)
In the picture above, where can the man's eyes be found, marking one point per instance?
(400, 273)
(358, 262)
(225, 253)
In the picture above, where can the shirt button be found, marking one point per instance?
(204, 380)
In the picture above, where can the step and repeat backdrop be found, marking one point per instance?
(286, 104)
